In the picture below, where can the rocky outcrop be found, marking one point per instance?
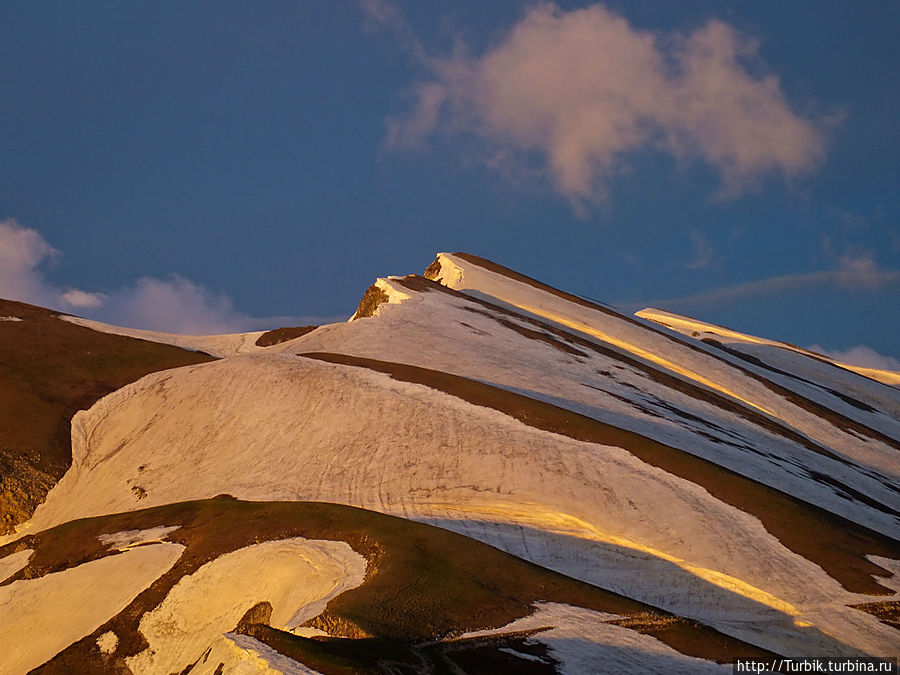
(373, 297)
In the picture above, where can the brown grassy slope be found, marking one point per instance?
(49, 369)
(423, 583)
(834, 543)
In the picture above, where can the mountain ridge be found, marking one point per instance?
(753, 494)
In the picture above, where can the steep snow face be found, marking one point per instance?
(40, 617)
(272, 427)
(701, 329)
(297, 577)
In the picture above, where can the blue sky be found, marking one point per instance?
(199, 166)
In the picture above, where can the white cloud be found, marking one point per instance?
(861, 271)
(860, 355)
(75, 298)
(583, 89)
(22, 251)
(175, 305)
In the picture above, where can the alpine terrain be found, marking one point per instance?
(477, 473)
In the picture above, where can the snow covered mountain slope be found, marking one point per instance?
(759, 501)
(709, 332)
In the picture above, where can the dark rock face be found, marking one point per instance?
(373, 297)
(433, 271)
(279, 335)
(23, 485)
(260, 613)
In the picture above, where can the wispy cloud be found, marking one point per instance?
(860, 355)
(581, 90)
(859, 272)
(385, 15)
(175, 304)
(703, 252)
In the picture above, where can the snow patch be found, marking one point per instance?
(452, 274)
(40, 617)
(14, 562)
(296, 576)
(126, 539)
(10, 318)
(107, 642)
(309, 631)
(893, 581)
